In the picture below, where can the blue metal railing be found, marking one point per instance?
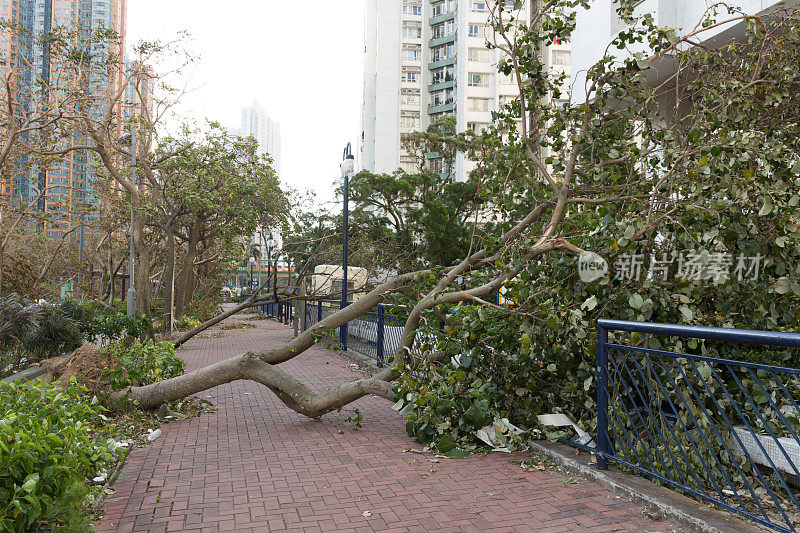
(723, 430)
(375, 334)
(283, 311)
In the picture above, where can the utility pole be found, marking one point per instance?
(348, 167)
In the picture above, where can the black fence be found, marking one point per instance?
(723, 430)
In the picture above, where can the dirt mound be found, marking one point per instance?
(88, 364)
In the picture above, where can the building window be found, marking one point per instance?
(412, 52)
(443, 30)
(411, 74)
(476, 79)
(443, 52)
(410, 97)
(442, 75)
(505, 100)
(560, 57)
(478, 6)
(409, 119)
(479, 55)
(477, 127)
(412, 30)
(477, 104)
(448, 6)
(412, 7)
(477, 30)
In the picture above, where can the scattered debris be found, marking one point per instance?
(560, 420)
(366, 514)
(153, 435)
(496, 435)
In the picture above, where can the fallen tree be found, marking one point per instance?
(621, 164)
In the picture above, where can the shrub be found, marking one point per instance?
(188, 322)
(142, 364)
(57, 332)
(48, 449)
(113, 326)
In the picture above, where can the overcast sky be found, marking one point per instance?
(301, 61)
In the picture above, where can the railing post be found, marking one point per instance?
(603, 447)
(343, 329)
(305, 314)
(379, 352)
(319, 311)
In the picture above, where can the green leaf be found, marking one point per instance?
(590, 303)
(456, 453)
(766, 209)
(30, 483)
(636, 301)
(399, 404)
(446, 444)
(686, 312)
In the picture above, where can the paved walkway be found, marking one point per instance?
(255, 465)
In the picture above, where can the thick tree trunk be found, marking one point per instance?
(169, 272)
(187, 272)
(261, 367)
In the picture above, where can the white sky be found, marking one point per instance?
(301, 61)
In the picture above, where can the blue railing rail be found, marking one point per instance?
(283, 311)
(723, 430)
(376, 334)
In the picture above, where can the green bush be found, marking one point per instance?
(142, 364)
(188, 322)
(48, 449)
(57, 333)
(116, 325)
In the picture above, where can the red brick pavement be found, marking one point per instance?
(255, 465)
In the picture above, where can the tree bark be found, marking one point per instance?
(187, 272)
(169, 272)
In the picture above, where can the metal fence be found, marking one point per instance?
(723, 430)
(282, 311)
(375, 334)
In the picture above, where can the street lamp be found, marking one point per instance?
(251, 262)
(347, 167)
(129, 139)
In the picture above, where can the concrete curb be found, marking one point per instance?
(29, 374)
(679, 509)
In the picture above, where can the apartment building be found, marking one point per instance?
(599, 25)
(68, 181)
(426, 60)
(257, 123)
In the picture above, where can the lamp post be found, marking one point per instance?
(270, 282)
(348, 167)
(129, 139)
(251, 262)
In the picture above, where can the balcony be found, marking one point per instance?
(444, 17)
(433, 43)
(436, 109)
(442, 63)
(443, 85)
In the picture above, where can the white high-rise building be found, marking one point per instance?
(256, 123)
(600, 24)
(426, 60)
